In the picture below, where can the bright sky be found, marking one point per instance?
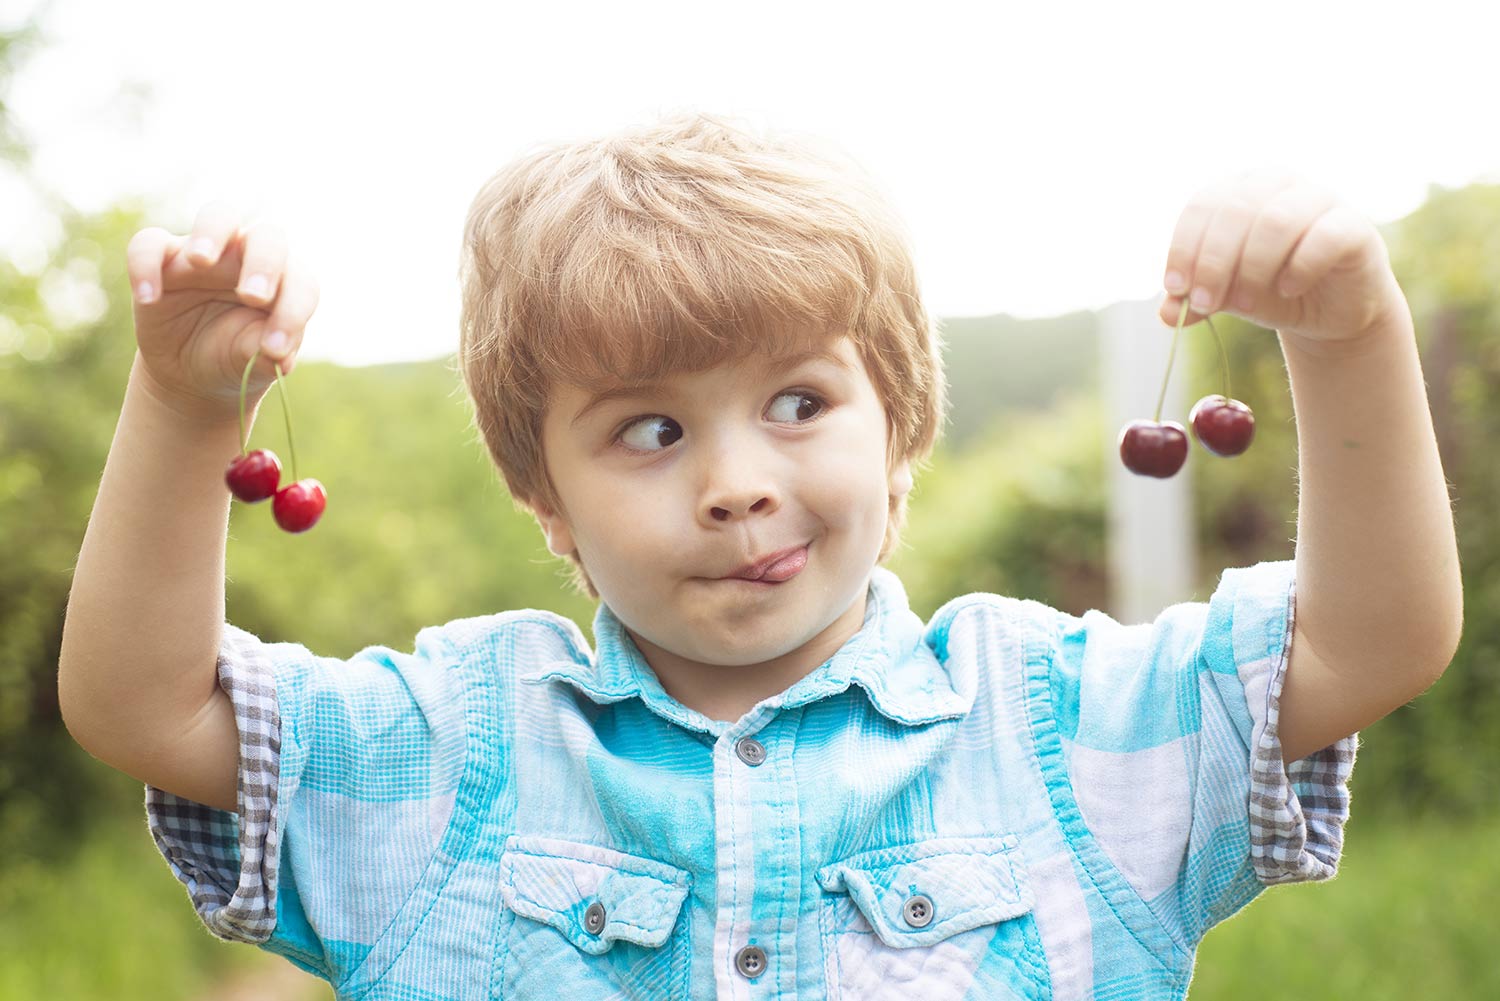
(1039, 152)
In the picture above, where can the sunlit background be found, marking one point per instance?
(1039, 154)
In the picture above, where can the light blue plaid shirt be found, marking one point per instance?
(1006, 802)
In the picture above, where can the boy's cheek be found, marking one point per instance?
(846, 494)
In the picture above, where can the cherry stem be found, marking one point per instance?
(1223, 357)
(286, 410)
(1162, 399)
(244, 386)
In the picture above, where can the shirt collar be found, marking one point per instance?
(890, 658)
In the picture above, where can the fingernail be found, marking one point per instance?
(202, 249)
(1201, 299)
(257, 286)
(1175, 282)
(275, 343)
(145, 293)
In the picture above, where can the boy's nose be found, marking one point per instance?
(732, 509)
(738, 473)
(737, 485)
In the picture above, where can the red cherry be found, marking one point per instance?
(254, 477)
(1153, 449)
(1221, 425)
(298, 507)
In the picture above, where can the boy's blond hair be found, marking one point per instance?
(673, 247)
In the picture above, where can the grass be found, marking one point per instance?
(1412, 914)
(113, 925)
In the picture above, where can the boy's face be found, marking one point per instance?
(669, 491)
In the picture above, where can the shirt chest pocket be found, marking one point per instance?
(947, 918)
(586, 921)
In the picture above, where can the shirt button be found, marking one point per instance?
(918, 911)
(751, 751)
(593, 918)
(751, 961)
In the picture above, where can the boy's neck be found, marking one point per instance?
(726, 693)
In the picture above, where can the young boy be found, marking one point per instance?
(699, 356)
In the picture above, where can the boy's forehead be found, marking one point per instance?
(836, 349)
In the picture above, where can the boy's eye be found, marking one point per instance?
(650, 434)
(809, 407)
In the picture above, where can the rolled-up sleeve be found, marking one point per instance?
(228, 861)
(347, 779)
(1175, 756)
(1297, 809)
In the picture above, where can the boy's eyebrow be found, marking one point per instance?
(769, 367)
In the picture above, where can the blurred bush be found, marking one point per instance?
(61, 357)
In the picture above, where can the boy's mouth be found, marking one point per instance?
(774, 568)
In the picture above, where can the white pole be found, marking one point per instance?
(1151, 553)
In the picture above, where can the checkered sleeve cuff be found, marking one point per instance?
(228, 861)
(1297, 809)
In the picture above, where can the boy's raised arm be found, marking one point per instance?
(137, 678)
(1379, 597)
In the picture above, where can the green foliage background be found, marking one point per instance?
(419, 530)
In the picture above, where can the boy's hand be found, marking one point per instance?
(1284, 254)
(205, 301)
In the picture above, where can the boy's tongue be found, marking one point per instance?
(787, 566)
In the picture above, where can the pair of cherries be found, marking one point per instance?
(254, 476)
(1223, 425)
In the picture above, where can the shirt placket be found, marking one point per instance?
(750, 952)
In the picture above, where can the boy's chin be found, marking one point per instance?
(728, 649)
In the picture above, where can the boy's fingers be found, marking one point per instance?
(216, 225)
(264, 262)
(1213, 270)
(1186, 236)
(1281, 223)
(1209, 238)
(294, 307)
(143, 262)
(1328, 239)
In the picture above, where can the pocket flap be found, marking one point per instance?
(556, 882)
(968, 882)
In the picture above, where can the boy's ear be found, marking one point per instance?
(900, 482)
(555, 528)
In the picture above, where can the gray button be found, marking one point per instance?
(593, 918)
(918, 911)
(751, 961)
(751, 751)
